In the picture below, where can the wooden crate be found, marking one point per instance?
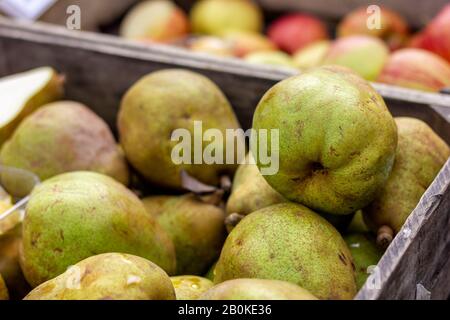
(94, 14)
(99, 69)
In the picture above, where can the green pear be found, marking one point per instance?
(190, 287)
(3, 289)
(291, 243)
(196, 228)
(163, 102)
(257, 289)
(250, 190)
(24, 93)
(337, 139)
(62, 137)
(365, 254)
(421, 154)
(76, 215)
(357, 225)
(10, 266)
(108, 276)
(211, 272)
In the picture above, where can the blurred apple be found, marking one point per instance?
(312, 55)
(365, 55)
(416, 69)
(155, 21)
(436, 36)
(294, 31)
(393, 28)
(276, 58)
(215, 17)
(244, 42)
(416, 40)
(212, 45)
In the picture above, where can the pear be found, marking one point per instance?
(196, 228)
(76, 215)
(24, 93)
(10, 266)
(109, 276)
(365, 253)
(421, 154)
(250, 190)
(291, 243)
(3, 289)
(211, 272)
(159, 104)
(10, 239)
(62, 137)
(190, 287)
(9, 222)
(357, 225)
(336, 168)
(340, 222)
(257, 289)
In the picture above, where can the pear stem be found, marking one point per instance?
(191, 184)
(232, 221)
(225, 183)
(385, 236)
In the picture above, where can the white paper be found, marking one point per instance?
(25, 9)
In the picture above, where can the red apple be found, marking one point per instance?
(436, 36)
(294, 31)
(416, 69)
(393, 28)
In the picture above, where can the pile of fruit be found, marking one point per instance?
(349, 176)
(386, 53)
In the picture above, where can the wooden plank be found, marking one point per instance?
(100, 69)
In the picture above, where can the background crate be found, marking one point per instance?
(418, 13)
(418, 256)
(105, 13)
(95, 13)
